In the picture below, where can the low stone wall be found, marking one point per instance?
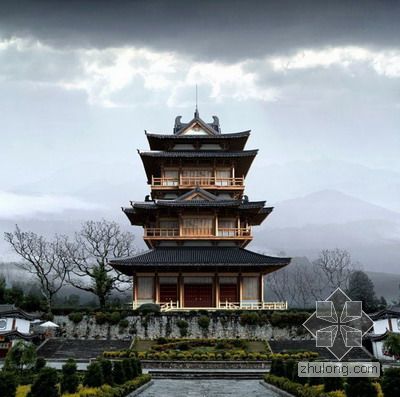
(166, 325)
(153, 364)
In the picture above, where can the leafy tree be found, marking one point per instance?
(361, 288)
(45, 384)
(87, 257)
(41, 258)
(392, 344)
(21, 355)
(128, 370)
(333, 384)
(360, 387)
(3, 288)
(118, 373)
(94, 375)
(39, 364)
(8, 384)
(70, 378)
(136, 366)
(391, 382)
(106, 366)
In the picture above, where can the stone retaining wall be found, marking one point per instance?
(165, 325)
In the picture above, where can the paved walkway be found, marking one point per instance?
(206, 388)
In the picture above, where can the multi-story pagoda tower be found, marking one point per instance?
(197, 222)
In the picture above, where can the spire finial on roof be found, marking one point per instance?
(196, 112)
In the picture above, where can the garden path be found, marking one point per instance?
(207, 388)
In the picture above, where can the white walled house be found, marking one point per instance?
(386, 321)
(15, 324)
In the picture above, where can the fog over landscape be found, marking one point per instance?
(77, 93)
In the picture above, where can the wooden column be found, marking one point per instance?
(134, 290)
(240, 285)
(180, 290)
(216, 290)
(156, 288)
(261, 292)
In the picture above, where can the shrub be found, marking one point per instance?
(124, 323)
(39, 364)
(148, 308)
(249, 318)
(8, 384)
(332, 384)
(391, 382)
(101, 318)
(106, 368)
(94, 375)
(183, 326)
(45, 384)
(76, 317)
(118, 373)
(70, 378)
(113, 318)
(204, 322)
(360, 387)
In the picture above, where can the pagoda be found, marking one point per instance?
(197, 222)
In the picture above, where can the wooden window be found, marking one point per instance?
(197, 176)
(227, 227)
(223, 177)
(197, 226)
(250, 288)
(145, 288)
(171, 177)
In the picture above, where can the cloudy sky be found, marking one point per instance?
(317, 82)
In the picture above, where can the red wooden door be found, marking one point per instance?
(228, 292)
(198, 295)
(168, 292)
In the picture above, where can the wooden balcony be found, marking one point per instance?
(191, 182)
(175, 306)
(197, 233)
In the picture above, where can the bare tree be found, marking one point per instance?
(41, 258)
(336, 266)
(87, 258)
(280, 283)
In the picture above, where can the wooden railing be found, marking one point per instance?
(196, 232)
(193, 181)
(253, 306)
(165, 182)
(160, 232)
(234, 232)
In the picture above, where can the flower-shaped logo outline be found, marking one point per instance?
(338, 324)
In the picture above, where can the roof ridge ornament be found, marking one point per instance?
(196, 112)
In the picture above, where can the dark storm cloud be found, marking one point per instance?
(206, 29)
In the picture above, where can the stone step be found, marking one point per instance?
(156, 374)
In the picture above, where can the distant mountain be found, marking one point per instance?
(327, 207)
(329, 219)
(299, 178)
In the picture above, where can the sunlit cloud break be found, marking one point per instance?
(13, 205)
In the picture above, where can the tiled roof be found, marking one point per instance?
(196, 203)
(13, 311)
(192, 255)
(232, 135)
(199, 153)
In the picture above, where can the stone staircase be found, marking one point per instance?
(206, 374)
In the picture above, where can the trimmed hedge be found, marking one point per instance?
(113, 391)
(235, 355)
(298, 389)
